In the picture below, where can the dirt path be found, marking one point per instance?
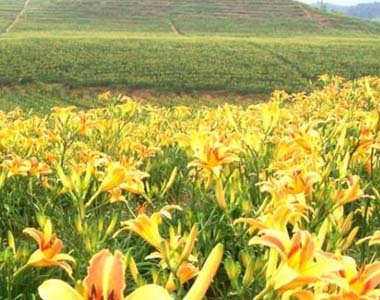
(18, 17)
(307, 14)
(174, 28)
(323, 22)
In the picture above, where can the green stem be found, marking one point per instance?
(262, 293)
(92, 199)
(20, 271)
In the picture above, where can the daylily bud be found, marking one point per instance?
(100, 224)
(78, 225)
(350, 238)
(206, 275)
(11, 242)
(220, 195)
(347, 224)
(112, 225)
(232, 268)
(170, 182)
(248, 275)
(134, 271)
(190, 241)
(244, 258)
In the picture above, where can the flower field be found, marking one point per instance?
(277, 200)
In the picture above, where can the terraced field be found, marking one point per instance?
(238, 17)
(8, 11)
(246, 46)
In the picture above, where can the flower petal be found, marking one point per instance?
(106, 274)
(150, 291)
(54, 289)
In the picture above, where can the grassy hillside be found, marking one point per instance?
(237, 17)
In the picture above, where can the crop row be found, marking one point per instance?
(256, 66)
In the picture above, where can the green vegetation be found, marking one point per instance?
(41, 98)
(248, 46)
(8, 10)
(204, 17)
(250, 65)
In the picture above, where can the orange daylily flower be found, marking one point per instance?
(144, 151)
(105, 95)
(16, 166)
(39, 168)
(147, 227)
(174, 253)
(49, 252)
(301, 181)
(187, 271)
(358, 284)
(270, 115)
(211, 155)
(128, 179)
(278, 218)
(373, 239)
(63, 114)
(116, 195)
(84, 125)
(177, 250)
(120, 176)
(133, 182)
(300, 263)
(105, 281)
(111, 282)
(115, 176)
(352, 193)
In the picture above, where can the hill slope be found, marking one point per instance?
(237, 17)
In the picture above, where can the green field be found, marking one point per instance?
(249, 65)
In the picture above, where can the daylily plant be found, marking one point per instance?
(106, 281)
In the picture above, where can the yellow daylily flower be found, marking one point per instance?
(115, 175)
